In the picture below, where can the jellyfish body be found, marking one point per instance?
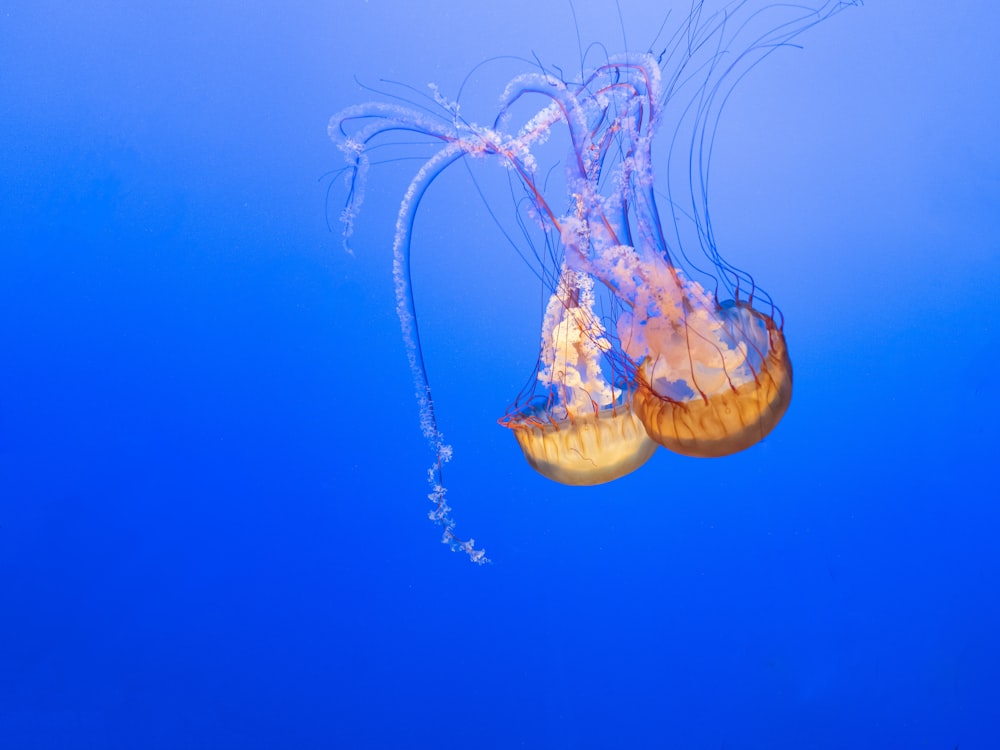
(712, 378)
(741, 380)
(581, 429)
(685, 351)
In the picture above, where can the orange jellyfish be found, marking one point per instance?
(684, 351)
(581, 428)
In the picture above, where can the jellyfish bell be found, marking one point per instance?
(711, 379)
(579, 427)
(584, 450)
(732, 390)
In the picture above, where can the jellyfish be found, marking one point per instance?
(649, 338)
(578, 426)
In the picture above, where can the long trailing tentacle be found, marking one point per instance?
(441, 514)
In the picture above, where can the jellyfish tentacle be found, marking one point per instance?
(376, 120)
(406, 310)
(380, 118)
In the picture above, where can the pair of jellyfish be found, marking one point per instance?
(641, 346)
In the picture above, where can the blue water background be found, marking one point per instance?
(213, 525)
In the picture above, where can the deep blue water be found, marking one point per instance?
(212, 513)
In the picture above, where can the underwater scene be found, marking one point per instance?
(525, 375)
